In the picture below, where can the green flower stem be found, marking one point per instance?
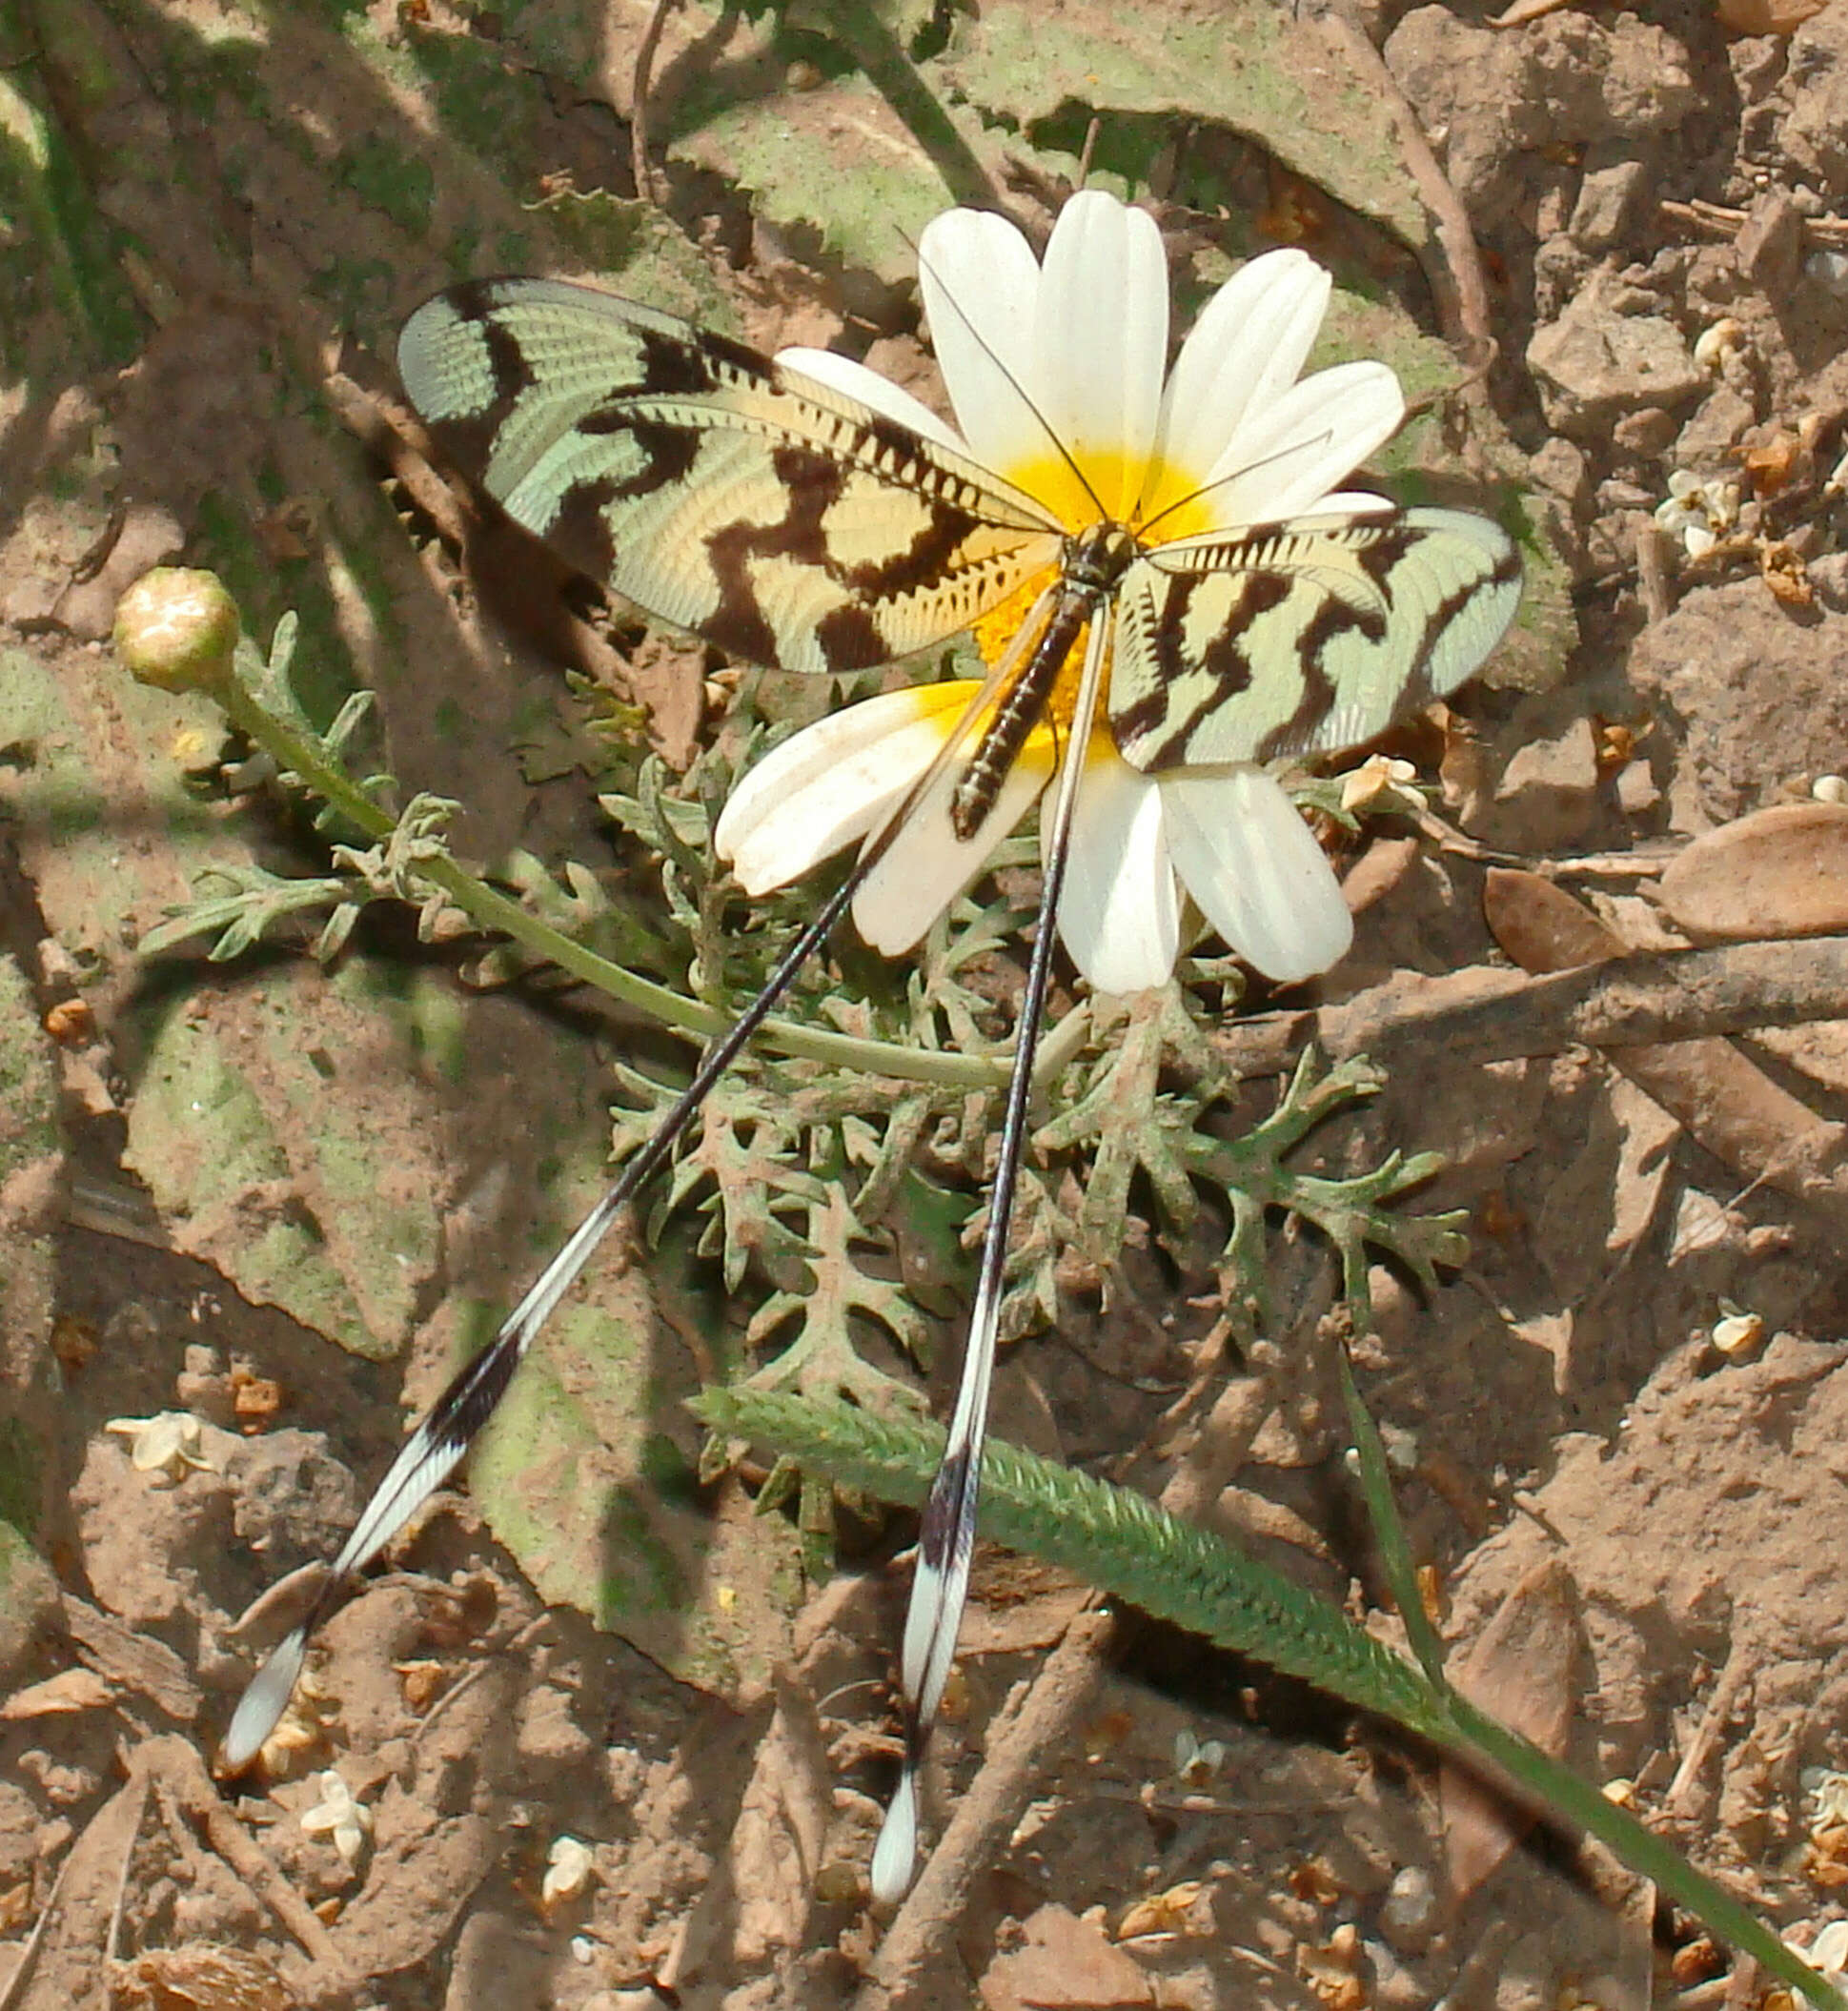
(298, 751)
(1124, 1542)
(1389, 1531)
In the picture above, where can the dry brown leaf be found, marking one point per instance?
(1722, 1097)
(1065, 1964)
(1782, 568)
(132, 1661)
(1521, 1670)
(1766, 17)
(1777, 873)
(1541, 927)
(202, 1977)
(58, 1696)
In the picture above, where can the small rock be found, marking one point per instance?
(1396, 1987)
(1637, 791)
(548, 1732)
(1410, 1910)
(1648, 433)
(1560, 468)
(1607, 201)
(1759, 696)
(148, 537)
(1809, 138)
(1828, 575)
(1593, 364)
(1559, 269)
(295, 1501)
(1757, 65)
(1722, 421)
(1770, 244)
(31, 605)
(1548, 795)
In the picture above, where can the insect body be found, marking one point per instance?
(1180, 614)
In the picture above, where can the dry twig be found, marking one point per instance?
(1454, 266)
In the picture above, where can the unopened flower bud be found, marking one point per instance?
(176, 628)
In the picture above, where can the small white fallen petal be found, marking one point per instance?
(1829, 1951)
(1381, 781)
(1827, 1788)
(346, 1822)
(171, 1444)
(1735, 1332)
(1255, 871)
(568, 1868)
(1714, 345)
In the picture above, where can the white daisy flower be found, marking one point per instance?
(1077, 348)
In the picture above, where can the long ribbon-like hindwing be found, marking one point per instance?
(795, 526)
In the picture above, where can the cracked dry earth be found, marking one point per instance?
(1624, 1423)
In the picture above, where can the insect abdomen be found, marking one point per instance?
(1019, 711)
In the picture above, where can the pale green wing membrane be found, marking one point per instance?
(775, 517)
(1302, 637)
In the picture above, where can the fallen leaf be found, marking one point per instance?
(1520, 1669)
(1065, 1964)
(1766, 17)
(1779, 872)
(58, 1696)
(1722, 1097)
(201, 1974)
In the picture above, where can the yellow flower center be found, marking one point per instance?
(1079, 492)
(1094, 484)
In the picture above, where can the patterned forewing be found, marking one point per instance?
(768, 513)
(1302, 637)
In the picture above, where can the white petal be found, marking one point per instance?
(1255, 870)
(829, 783)
(1120, 913)
(1247, 348)
(928, 865)
(1355, 503)
(1287, 457)
(844, 375)
(981, 283)
(1102, 342)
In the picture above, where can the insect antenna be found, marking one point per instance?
(446, 1429)
(1233, 475)
(1019, 390)
(946, 1537)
